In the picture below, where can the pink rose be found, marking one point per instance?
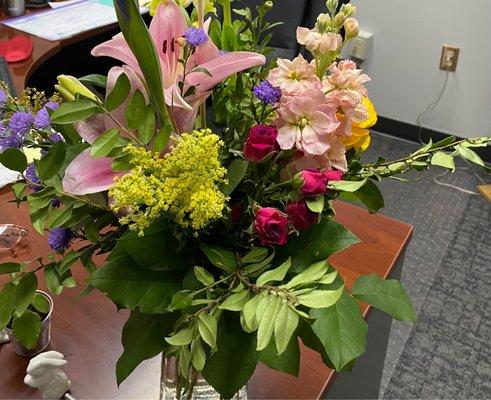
(260, 142)
(314, 182)
(300, 216)
(271, 226)
(334, 175)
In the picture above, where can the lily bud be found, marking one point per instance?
(64, 93)
(332, 6)
(73, 86)
(351, 27)
(339, 19)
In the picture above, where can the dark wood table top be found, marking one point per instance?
(88, 331)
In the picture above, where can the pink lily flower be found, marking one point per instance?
(166, 27)
(86, 174)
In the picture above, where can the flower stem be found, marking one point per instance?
(227, 13)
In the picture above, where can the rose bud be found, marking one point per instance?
(271, 226)
(300, 216)
(333, 175)
(261, 142)
(313, 182)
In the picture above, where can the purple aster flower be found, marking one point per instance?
(267, 93)
(21, 123)
(55, 203)
(33, 177)
(42, 119)
(11, 140)
(3, 98)
(59, 238)
(195, 36)
(56, 137)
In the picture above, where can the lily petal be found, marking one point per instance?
(185, 118)
(85, 174)
(91, 128)
(222, 67)
(117, 48)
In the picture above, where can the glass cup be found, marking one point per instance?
(10, 236)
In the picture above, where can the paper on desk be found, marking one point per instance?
(58, 4)
(66, 21)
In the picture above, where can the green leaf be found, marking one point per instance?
(444, 160)
(267, 322)
(321, 298)
(324, 239)
(51, 163)
(198, 355)
(73, 111)
(288, 361)
(236, 302)
(25, 292)
(341, 330)
(222, 370)
(19, 190)
(470, 155)
(136, 110)
(444, 142)
(369, 195)
(143, 338)
(235, 173)
(27, 328)
(229, 38)
(275, 275)
(166, 254)
(13, 159)
(181, 300)
(162, 138)
(104, 143)
(220, 257)
(8, 299)
(59, 216)
(311, 274)
(208, 330)
(52, 280)
(182, 337)
(40, 303)
(285, 325)
(315, 204)
(142, 46)
(348, 186)
(387, 295)
(257, 254)
(249, 313)
(9, 267)
(203, 276)
(119, 93)
(94, 79)
(129, 285)
(69, 282)
(147, 128)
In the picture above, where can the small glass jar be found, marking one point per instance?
(44, 335)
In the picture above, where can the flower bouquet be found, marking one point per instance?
(206, 175)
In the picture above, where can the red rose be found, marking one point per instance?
(260, 142)
(271, 226)
(314, 182)
(300, 216)
(334, 175)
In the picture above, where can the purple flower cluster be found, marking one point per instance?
(267, 93)
(3, 98)
(42, 119)
(195, 36)
(56, 137)
(59, 238)
(8, 140)
(33, 177)
(20, 123)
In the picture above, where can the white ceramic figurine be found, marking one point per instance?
(43, 373)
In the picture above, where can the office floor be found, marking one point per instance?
(445, 354)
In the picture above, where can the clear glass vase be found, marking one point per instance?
(202, 390)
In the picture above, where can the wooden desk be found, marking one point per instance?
(88, 331)
(42, 50)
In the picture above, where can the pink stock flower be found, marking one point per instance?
(271, 226)
(344, 75)
(166, 27)
(295, 76)
(305, 121)
(317, 42)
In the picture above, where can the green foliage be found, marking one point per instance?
(27, 328)
(8, 298)
(142, 338)
(52, 162)
(235, 174)
(119, 93)
(25, 292)
(288, 361)
(9, 267)
(369, 195)
(387, 295)
(40, 303)
(74, 111)
(103, 145)
(219, 257)
(135, 112)
(13, 159)
(222, 370)
(342, 330)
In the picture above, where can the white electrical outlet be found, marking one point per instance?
(360, 46)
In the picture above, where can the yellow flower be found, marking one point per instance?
(360, 134)
(183, 185)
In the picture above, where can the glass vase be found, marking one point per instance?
(202, 390)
